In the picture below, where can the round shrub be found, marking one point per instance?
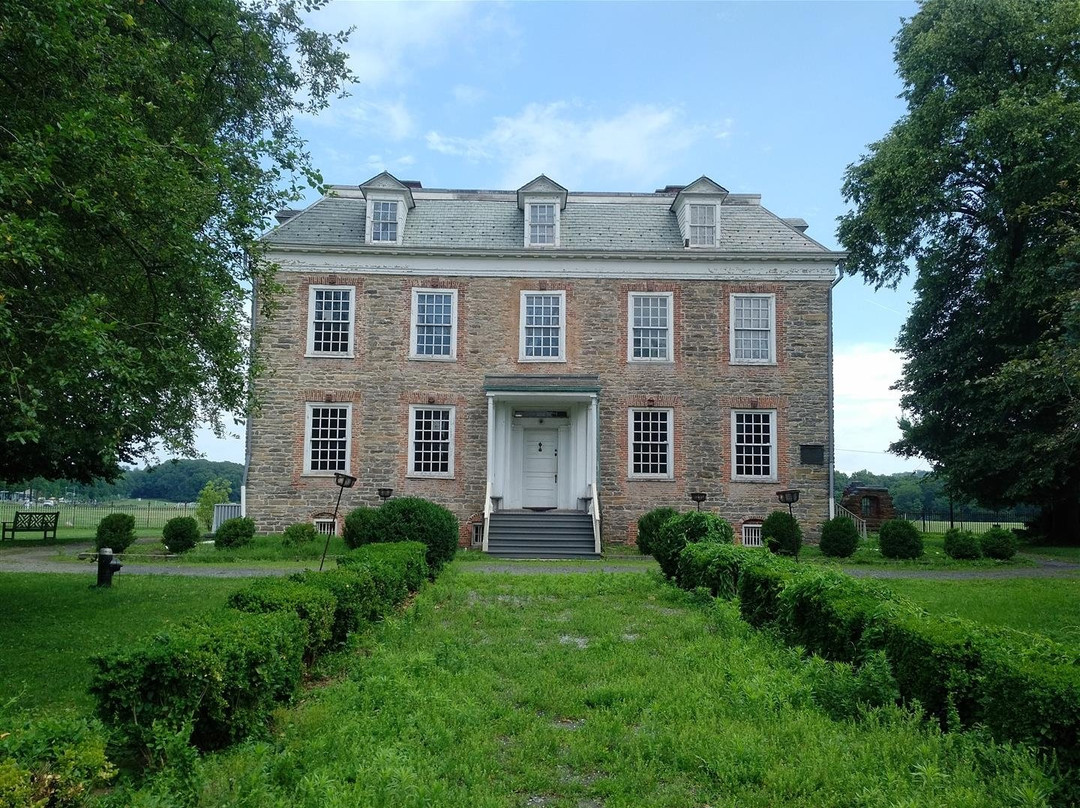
(649, 525)
(299, 533)
(234, 533)
(839, 537)
(961, 544)
(180, 534)
(998, 543)
(781, 533)
(898, 538)
(360, 527)
(116, 531)
(687, 528)
(408, 519)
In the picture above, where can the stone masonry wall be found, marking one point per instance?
(701, 385)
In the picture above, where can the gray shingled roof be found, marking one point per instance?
(498, 225)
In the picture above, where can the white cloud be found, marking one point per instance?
(634, 148)
(468, 95)
(866, 410)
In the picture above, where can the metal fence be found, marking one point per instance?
(152, 515)
(223, 511)
(977, 522)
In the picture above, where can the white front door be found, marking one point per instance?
(541, 472)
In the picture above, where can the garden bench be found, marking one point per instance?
(31, 522)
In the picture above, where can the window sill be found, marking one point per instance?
(418, 358)
(310, 355)
(416, 476)
(547, 359)
(323, 475)
(764, 480)
(642, 478)
(638, 361)
(753, 363)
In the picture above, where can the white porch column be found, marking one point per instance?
(488, 470)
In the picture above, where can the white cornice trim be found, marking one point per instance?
(760, 268)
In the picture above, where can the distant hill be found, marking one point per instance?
(172, 481)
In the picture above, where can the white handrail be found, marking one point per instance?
(487, 514)
(860, 523)
(594, 506)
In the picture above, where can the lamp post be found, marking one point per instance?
(384, 494)
(789, 497)
(698, 497)
(342, 481)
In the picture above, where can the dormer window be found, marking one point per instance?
(702, 225)
(542, 219)
(384, 221)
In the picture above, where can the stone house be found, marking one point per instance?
(872, 504)
(548, 364)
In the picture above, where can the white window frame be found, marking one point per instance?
(370, 214)
(772, 328)
(310, 351)
(414, 317)
(773, 440)
(690, 208)
(561, 294)
(670, 357)
(554, 202)
(311, 405)
(438, 475)
(630, 473)
(751, 525)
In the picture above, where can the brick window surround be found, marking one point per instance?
(431, 440)
(433, 324)
(753, 445)
(543, 326)
(752, 337)
(650, 328)
(330, 321)
(651, 443)
(327, 438)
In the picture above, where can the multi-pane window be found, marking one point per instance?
(650, 443)
(542, 224)
(330, 320)
(650, 327)
(703, 225)
(751, 534)
(434, 322)
(542, 326)
(431, 442)
(753, 338)
(327, 444)
(384, 221)
(753, 453)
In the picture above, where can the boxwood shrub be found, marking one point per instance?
(356, 601)
(406, 519)
(839, 538)
(961, 544)
(115, 531)
(716, 567)
(396, 569)
(234, 532)
(781, 533)
(315, 607)
(759, 593)
(52, 760)
(299, 533)
(998, 543)
(687, 528)
(180, 534)
(649, 525)
(827, 612)
(898, 538)
(218, 681)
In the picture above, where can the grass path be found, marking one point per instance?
(593, 691)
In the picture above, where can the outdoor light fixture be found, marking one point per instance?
(789, 497)
(698, 497)
(342, 481)
(384, 493)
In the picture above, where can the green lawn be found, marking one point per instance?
(53, 623)
(582, 691)
(1049, 606)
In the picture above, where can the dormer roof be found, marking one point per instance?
(388, 182)
(701, 189)
(541, 186)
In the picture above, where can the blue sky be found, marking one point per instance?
(775, 98)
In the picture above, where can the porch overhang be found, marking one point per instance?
(540, 383)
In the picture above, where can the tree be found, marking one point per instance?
(143, 147)
(213, 493)
(978, 187)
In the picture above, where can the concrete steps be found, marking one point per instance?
(541, 534)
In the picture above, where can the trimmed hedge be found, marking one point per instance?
(898, 538)
(396, 569)
(115, 531)
(299, 533)
(998, 543)
(716, 567)
(180, 534)
(356, 599)
(687, 528)
(961, 544)
(235, 532)
(315, 607)
(218, 682)
(649, 525)
(781, 533)
(1022, 689)
(839, 538)
(406, 519)
(52, 761)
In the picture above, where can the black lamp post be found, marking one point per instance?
(789, 497)
(698, 497)
(384, 493)
(342, 481)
